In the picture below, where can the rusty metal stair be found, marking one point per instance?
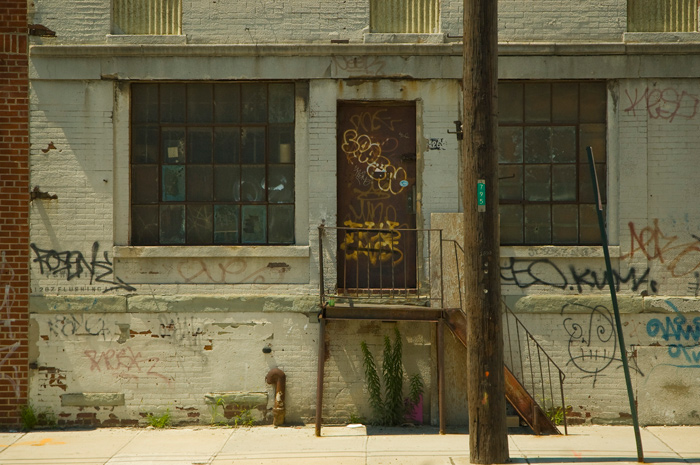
(521, 400)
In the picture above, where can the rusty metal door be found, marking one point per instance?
(376, 190)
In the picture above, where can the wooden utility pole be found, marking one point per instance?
(488, 438)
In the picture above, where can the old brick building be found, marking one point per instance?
(183, 157)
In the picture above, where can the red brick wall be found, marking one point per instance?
(14, 209)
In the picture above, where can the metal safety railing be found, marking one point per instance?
(534, 368)
(524, 357)
(404, 16)
(662, 15)
(149, 17)
(380, 265)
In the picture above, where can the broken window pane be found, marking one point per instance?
(172, 224)
(254, 224)
(280, 184)
(226, 224)
(173, 183)
(281, 224)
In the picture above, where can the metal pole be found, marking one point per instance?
(618, 322)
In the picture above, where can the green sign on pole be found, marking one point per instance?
(481, 195)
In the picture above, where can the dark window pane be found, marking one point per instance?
(564, 183)
(564, 144)
(200, 106)
(510, 144)
(227, 103)
(281, 144)
(172, 103)
(537, 183)
(172, 224)
(593, 102)
(510, 102)
(281, 104)
(144, 144)
(144, 224)
(253, 145)
(144, 107)
(227, 143)
(510, 182)
(144, 184)
(565, 102)
(199, 145)
(254, 224)
(200, 224)
(565, 224)
(280, 184)
(537, 103)
(253, 183)
(281, 224)
(586, 184)
(254, 103)
(511, 218)
(200, 183)
(226, 224)
(173, 183)
(592, 135)
(537, 224)
(173, 145)
(589, 227)
(538, 144)
(227, 183)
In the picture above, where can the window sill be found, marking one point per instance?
(661, 37)
(399, 38)
(239, 251)
(552, 251)
(146, 39)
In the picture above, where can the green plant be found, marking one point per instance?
(245, 418)
(162, 421)
(556, 414)
(390, 408)
(218, 419)
(356, 418)
(31, 417)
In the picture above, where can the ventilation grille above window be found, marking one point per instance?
(662, 15)
(147, 17)
(405, 16)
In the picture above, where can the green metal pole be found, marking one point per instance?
(613, 295)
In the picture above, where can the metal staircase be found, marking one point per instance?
(370, 280)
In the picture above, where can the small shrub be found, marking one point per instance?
(389, 409)
(245, 418)
(162, 421)
(32, 418)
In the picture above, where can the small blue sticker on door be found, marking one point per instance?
(403, 183)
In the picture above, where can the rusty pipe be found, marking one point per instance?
(278, 378)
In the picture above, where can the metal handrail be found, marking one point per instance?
(378, 248)
(522, 359)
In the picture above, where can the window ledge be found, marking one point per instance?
(266, 251)
(552, 251)
(146, 39)
(661, 37)
(399, 38)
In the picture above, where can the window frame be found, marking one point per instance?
(583, 192)
(241, 204)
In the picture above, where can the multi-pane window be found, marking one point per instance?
(212, 163)
(545, 192)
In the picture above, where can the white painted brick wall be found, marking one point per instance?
(309, 21)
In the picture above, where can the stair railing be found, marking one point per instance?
(525, 357)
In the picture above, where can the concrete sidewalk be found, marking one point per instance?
(338, 446)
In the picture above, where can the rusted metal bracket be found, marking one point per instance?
(458, 130)
(37, 194)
